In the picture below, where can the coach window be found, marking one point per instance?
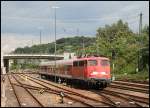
(81, 63)
(92, 62)
(75, 64)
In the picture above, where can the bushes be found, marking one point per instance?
(140, 76)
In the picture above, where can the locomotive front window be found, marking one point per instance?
(105, 62)
(92, 62)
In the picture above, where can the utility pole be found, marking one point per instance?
(55, 41)
(32, 46)
(40, 37)
(140, 24)
(55, 44)
(83, 46)
(140, 32)
(40, 41)
(32, 42)
(77, 32)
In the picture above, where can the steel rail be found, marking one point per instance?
(133, 96)
(123, 97)
(132, 84)
(29, 93)
(19, 102)
(107, 98)
(129, 88)
(33, 88)
(26, 85)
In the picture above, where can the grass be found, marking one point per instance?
(142, 77)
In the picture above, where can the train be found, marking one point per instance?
(89, 71)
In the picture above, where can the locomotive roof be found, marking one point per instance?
(92, 58)
(70, 61)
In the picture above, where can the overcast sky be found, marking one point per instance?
(21, 21)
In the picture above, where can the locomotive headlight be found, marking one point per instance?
(94, 73)
(103, 73)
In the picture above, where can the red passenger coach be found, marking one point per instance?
(93, 71)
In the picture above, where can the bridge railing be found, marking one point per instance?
(32, 55)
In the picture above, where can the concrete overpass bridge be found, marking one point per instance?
(32, 56)
(5, 58)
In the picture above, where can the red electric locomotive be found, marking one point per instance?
(92, 71)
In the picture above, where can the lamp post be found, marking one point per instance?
(140, 42)
(55, 39)
(40, 37)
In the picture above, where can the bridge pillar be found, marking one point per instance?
(3, 96)
(3, 88)
(6, 64)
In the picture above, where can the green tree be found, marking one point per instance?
(118, 40)
(144, 49)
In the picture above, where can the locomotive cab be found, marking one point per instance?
(99, 71)
(93, 70)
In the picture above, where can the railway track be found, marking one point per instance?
(130, 87)
(146, 86)
(134, 98)
(68, 96)
(73, 94)
(129, 100)
(109, 97)
(18, 95)
(118, 100)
